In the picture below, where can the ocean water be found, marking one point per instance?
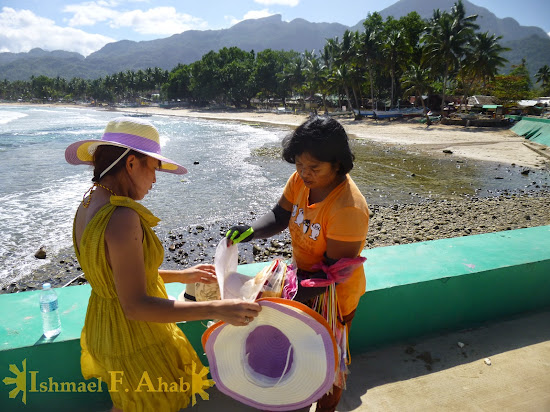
(39, 191)
(234, 169)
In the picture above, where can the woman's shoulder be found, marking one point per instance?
(351, 195)
(128, 207)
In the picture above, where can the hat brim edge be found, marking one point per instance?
(215, 329)
(72, 155)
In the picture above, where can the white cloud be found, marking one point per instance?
(89, 13)
(290, 3)
(252, 14)
(159, 20)
(22, 31)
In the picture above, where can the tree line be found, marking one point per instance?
(383, 64)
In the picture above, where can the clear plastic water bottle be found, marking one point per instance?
(51, 323)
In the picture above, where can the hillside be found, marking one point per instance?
(531, 43)
(187, 47)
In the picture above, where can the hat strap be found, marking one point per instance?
(286, 365)
(114, 163)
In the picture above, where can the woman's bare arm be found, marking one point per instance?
(203, 273)
(124, 246)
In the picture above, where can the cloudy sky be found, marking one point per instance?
(86, 26)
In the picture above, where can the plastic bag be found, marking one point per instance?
(274, 279)
(234, 285)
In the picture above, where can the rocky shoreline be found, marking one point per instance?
(389, 225)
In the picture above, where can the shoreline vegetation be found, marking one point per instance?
(390, 225)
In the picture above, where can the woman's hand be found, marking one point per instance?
(238, 234)
(203, 273)
(236, 312)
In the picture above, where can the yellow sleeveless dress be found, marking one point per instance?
(134, 358)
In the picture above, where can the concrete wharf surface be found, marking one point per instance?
(436, 374)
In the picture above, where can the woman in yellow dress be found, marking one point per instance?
(130, 339)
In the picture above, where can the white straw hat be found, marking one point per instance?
(134, 134)
(284, 359)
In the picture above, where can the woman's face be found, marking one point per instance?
(144, 176)
(315, 173)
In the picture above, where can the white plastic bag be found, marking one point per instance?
(234, 285)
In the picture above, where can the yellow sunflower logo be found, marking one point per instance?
(20, 381)
(199, 382)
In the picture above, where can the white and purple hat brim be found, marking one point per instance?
(134, 134)
(285, 359)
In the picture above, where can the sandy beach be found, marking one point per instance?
(481, 143)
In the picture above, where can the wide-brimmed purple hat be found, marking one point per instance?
(131, 133)
(284, 359)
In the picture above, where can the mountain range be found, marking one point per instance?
(528, 42)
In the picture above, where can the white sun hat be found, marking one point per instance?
(130, 133)
(284, 359)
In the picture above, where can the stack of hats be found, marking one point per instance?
(284, 359)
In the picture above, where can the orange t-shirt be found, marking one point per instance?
(343, 215)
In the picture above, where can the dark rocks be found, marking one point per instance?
(389, 225)
(40, 253)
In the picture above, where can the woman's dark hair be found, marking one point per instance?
(105, 155)
(322, 137)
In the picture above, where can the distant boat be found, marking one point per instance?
(364, 113)
(381, 114)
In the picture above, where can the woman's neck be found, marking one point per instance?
(317, 195)
(114, 183)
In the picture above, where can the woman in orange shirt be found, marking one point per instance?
(327, 217)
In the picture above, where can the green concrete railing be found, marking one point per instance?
(535, 129)
(412, 290)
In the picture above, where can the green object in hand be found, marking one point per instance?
(239, 234)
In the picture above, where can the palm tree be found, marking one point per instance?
(446, 40)
(331, 57)
(315, 75)
(543, 76)
(394, 51)
(416, 80)
(482, 62)
(343, 55)
(371, 47)
(487, 59)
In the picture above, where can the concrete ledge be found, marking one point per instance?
(412, 290)
(535, 129)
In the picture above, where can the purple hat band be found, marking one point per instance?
(132, 140)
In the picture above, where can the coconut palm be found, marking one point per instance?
(482, 62)
(315, 76)
(446, 40)
(416, 81)
(371, 47)
(394, 51)
(543, 76)
(487, 56)
(342, 52)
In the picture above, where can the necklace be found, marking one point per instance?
(91, 190)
